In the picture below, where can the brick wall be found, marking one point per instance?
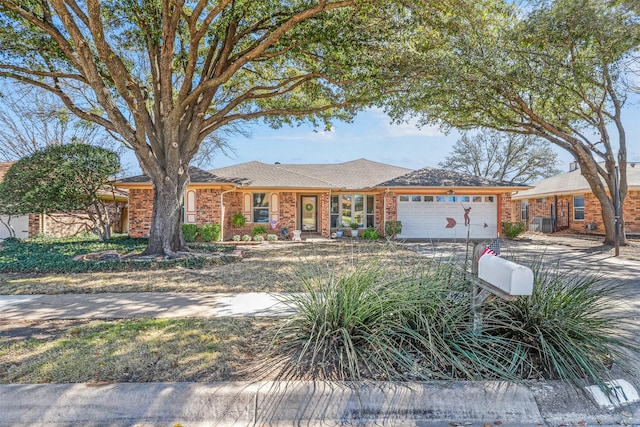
(64, 224)
(632, 212)
(140, 211)
(287, 214)
(592, 212)
(324, 214)
(288, 210)
(392, 206)
(208, 209)
(505, 207)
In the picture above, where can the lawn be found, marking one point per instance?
(129, 351)
(265, 268)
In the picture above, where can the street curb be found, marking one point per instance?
(269, 403)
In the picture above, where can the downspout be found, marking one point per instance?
(222, 211)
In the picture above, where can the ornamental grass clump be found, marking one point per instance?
(361, 323)
(368, 322)
(568, 329)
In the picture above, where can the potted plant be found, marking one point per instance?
(339, 229)
(354, 225)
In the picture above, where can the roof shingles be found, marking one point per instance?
(429, 177)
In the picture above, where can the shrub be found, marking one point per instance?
(258, 229)
(392, 228)
(238, 220)
(236, 238)
(565, 329)
(55, 255)
(258, 238)
(359, 323)
(189, 232)
(271, 237)
(210, 232)
(370, 234)
(246, 238)
(512, 230)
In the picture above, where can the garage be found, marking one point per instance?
(448, 216)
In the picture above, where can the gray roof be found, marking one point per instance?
(430, 177)
(197, 176)
(356, 174)
(572, 183)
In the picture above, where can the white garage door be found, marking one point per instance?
(20, 224)
(448, 217)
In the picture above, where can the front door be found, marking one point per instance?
(309, 213)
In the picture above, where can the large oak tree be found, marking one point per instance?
(165, 74)
(552, 69)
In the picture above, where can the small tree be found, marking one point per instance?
(503, 156)
(64, 178)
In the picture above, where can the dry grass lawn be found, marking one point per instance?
(265, 268)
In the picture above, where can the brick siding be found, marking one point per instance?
(64, 225)
(592, 212)
(140, 211)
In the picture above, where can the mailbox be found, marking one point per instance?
(512, 278)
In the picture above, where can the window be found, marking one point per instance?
(465, 199)
(416, 198)
(360, 208)
(453, 199)
(477, 199)
(428, 198)
(371, 213)
(524, 211)
(489, 199)
(260, 207)
(578, 208)
(440, 199)
(404, 198)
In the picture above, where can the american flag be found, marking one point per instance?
(492, 249)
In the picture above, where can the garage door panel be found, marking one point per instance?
(429, 219)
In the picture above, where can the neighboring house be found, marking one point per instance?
(315, 198)
(566, 201)
(65, 224)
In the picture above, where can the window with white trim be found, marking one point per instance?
(260, 207)
(578, 208)
(348, 208)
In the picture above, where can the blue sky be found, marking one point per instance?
(372, 136)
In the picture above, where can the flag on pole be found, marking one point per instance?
(495, 247)
(492, 249)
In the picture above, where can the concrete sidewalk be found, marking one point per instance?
(141, 305)
(301, 403)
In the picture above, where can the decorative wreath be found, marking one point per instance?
(308, 207)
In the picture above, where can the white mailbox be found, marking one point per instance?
(512, 278)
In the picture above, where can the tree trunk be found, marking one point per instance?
(607, 201)
(165, 234)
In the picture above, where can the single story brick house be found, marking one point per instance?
(565, 201)
(314, 198)
(63, 224)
